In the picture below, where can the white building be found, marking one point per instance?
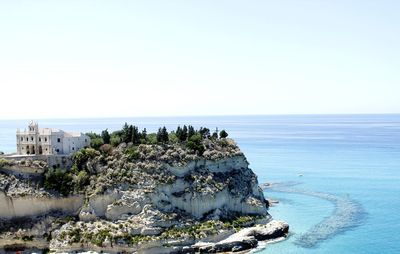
(35, 141)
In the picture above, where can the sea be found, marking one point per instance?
(336, 178)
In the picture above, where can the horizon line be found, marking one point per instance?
(195, 116)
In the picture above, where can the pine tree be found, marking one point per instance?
(191, 131)
(125, 133)
(143, 135)
(184, 133)
(106, 136)
(179, 133)
(135, 135)
(129, 134)
(159, 135)
(165, 137)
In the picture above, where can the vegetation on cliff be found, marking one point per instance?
(101, 166)
(136, 187)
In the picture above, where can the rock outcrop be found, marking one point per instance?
(149, 198)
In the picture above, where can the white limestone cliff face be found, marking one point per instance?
(230, 186)
(201, 187)
(28, 206)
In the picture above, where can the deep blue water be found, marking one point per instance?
(351, 157)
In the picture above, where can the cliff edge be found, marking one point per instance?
(144, 198)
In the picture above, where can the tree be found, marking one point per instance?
(194, 143)
(143, 136)
(223, 134)
(214, 135)
(191, 131)
(106, 136)
(58, 180)
(96, 143)
(126, 135)
(135, 135)
(129, 134)
(184, 133)
(178, 132)
(164, 133)
(159, 136)
(204, 132)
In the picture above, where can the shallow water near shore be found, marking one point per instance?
(353, 158)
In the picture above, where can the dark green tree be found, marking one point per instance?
(178, 132)
(204, 132)
(126, 134)
(143, 135)
(184, 133)
(135, 135)
(130, 134)
(106, 136)
(195, 143)
(191, 131)
(159, 135)
(164, 134)
(223, 134)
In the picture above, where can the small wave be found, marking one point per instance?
(347, 214)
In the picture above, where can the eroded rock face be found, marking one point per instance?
(163, 199)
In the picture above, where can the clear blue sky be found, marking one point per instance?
(134, 58)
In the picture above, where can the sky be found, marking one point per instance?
(80, 58)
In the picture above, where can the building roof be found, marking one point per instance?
(50, 131)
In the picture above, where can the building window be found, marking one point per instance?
(73, 148)
(59, 140)
(46, 149)
(85, 140)
(22, 139)
(45, 139)
(57, 150)
(40, 139)
(27, 139)
(32, 138)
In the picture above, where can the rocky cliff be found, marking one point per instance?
(146, 198)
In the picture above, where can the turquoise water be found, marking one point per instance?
(349, 157)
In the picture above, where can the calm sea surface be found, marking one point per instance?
(355, 158)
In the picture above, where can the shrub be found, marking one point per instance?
(4, 162)
(132, 153)
(96, 143)
(82, 156)
(82, 179)
(173, 137)
(152, 138)
(58, 180)
(195, 144)
(115, 140)
(106, 149)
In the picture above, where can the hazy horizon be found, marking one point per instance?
(196, 116)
